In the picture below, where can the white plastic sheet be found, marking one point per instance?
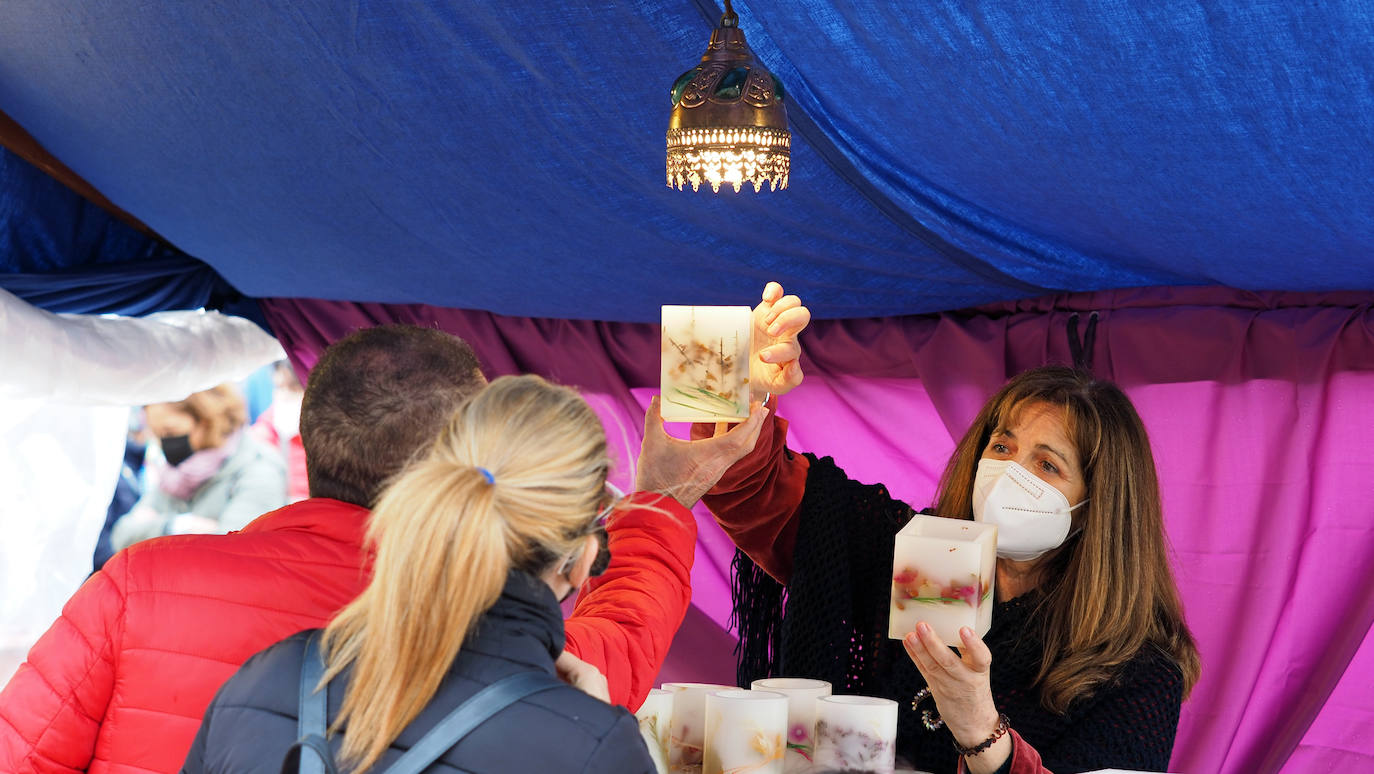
(58, 467)
(123, 361)
(66, 385)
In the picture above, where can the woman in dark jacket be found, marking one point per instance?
(475, 545)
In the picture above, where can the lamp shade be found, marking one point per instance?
(729, 123)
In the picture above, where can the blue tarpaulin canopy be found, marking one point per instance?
(509, 156)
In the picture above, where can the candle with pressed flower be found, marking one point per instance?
(655, 716)
(705, 363)
(942, 573)
(801, 696)
(687, 731)
(745, 732)
(856, 733)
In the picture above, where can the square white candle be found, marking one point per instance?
(706, 352)
(744, 732)
(942, 573)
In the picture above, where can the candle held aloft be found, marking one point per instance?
(706, 354)
(942, 573)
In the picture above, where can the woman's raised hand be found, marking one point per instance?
(776, 366)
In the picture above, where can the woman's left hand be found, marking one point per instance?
(960, 683)
(582, 676)
(776, 365)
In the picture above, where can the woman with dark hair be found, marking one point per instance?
(1088, 659)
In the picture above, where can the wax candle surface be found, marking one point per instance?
(801, 696)
(942, 573)
(856, 733)
(655, 719)
(705, 363)
(687, 732)
(744, 732)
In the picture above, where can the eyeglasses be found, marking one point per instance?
(598, 527)
(613, 498)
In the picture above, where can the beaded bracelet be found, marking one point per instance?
(1003, 724)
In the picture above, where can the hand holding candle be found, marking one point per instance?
(775, 367)
(962, 689)
(686, 470)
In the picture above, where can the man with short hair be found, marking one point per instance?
(120, 681)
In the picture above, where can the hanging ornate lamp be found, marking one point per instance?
(728, 123)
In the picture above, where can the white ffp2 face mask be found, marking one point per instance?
(1032, 517)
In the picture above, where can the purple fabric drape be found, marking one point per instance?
(1260, 408)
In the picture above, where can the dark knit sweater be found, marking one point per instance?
(834, 628)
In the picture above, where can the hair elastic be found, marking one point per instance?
(487, 475)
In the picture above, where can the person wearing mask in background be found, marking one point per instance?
(122, 678)
(210, 475)
(279, 427)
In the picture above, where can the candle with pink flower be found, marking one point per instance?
(942, 573)
(745, 732)
(801, 696)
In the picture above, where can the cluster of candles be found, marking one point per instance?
(781, 726)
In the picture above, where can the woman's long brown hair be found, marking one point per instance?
(1108, 591)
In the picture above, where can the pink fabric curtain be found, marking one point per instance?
(1260, 409)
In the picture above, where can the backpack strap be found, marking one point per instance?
(468, 716)
(312, 716)
(480, 707)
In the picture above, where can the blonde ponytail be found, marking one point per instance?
(447, 538)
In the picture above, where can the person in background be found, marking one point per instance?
(210, 475)
(128, 491)
(476, 542)
(279, 427)
(1088, 659)
(120, 681)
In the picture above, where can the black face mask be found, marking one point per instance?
(603, 552)
(176, 448)
(600, 563)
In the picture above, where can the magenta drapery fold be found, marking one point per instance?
(1260, 408)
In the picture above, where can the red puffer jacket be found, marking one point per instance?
(120, 681)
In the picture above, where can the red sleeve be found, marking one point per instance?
(758, 501)
(626, 619)
(52, 709)
(1024, 758)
